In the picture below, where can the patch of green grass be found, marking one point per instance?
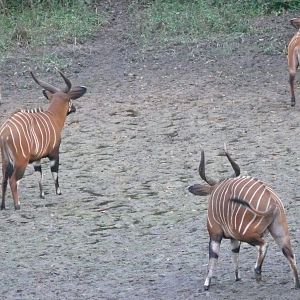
(177, 21)
(51, 60)
(52, 25)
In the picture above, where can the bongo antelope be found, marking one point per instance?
(243, 209)
(27, 136)
(293, 57)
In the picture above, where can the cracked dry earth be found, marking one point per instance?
(125, 226)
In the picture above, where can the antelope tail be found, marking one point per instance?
(252, 209)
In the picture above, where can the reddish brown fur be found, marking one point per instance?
(293, 58)
(28, 136)
(243, 209)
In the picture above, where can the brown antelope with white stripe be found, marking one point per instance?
(294, 57)
(243, 209)
(27, 136)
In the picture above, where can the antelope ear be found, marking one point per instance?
(77, 92)
(295, 22)
(200, 190)
(47, 94)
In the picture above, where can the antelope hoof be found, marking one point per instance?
(206, 287)
(17, 207)
(293, 102)
(2, 207)
(258, 277)
(257, 272)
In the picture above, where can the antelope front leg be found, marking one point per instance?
(54, 164)
(292, 87)
(38, 168)
(214, 249)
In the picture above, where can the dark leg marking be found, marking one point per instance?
(54, 162)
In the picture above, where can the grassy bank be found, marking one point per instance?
(177, 21)
(47, 23)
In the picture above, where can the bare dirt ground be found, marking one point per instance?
(126, 226)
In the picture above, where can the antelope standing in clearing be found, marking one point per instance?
(28, 136)
(243, 209)
(294, 57)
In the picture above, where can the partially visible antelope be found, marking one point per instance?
(294, 57)
(27, 136)
(243, 209)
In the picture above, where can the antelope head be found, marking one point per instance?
(206, 189)
(69, 92)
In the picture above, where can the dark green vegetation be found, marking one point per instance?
(30, 24)
(169, 21)
(36, 23)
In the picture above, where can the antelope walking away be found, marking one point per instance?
(243, 209)
(27, 136)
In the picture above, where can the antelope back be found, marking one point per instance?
(29, 135)
(237, 220)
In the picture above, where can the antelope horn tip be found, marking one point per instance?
(225, 148)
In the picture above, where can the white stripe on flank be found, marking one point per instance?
(27, 123)
(261, 186)
(220, 203)
(249, 188)
(249, 224)
(208, 220)
(220, 212)
(267, 208)
(22, 124)
(253, 197)
(227, 197)
(43, 138)
(12, 138)
(276, 197)
(246, 210)
(260, 197)
(40, 137)
(211, 203)
(36, 140)
(54, 132)
(17, 125)
(224, 200)
(48, 135)
(233, 205)
(239, 207)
